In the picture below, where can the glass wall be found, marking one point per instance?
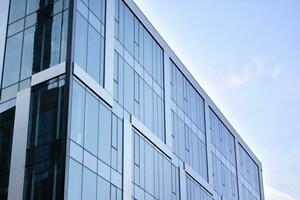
(45, 148)
(36, 40)
(223, 159)
(89, 38)
(189, 146)
(138, 71)
(6, 136)
(188, 123)
(195, 191)
(96, 148)
(250, 176)
(154, 176)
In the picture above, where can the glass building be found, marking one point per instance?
(94, 105)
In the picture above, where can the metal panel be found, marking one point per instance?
(127, 160)
(150, 136)
(18, 155)
(93, 85)
(48, 74)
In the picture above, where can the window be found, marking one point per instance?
(104, 134)
(6, 135)
(75, 177)
(27, 56)
(128, 88)
(98, 8)
(81, 35)
(103, 189)
(89, 44)
(12, 59)
(93, 62)
(44, 171)
(89, 184)
(78, 113)
(91, 123)
(17, 10)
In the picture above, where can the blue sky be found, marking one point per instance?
(246, 55)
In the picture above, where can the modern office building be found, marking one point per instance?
(95, 105)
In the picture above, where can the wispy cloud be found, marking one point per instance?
(273, 194)
(256, 68)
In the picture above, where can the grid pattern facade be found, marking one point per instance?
(95, 105)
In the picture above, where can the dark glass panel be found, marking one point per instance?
(12, 60)
(6, 136)
(44, 160)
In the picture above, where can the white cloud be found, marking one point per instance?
(251, 71)
(273, 194)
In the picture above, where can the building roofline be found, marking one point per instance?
(167, 49)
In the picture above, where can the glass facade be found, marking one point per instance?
(121, 118)
(188, 124)
(138, 71)
(6, 135)
(223, 159)
(36, 40)
(45, 148)
(96, 148)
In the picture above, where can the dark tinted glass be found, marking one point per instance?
(6, 136)
(44, 160)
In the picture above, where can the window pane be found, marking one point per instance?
(6, 134)
(81, 40)
(128, 88)
(75, 178)
(12, 60)
(27, 57)
(129, 31)
(103, 189)
(17, 10)
(148, 52)
(78, 107)
(89, 184)
(52, 38)
(94, 51)
(105, 134)
(91, 124)
(98, 7)
(148, 107)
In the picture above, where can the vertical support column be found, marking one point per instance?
(127, 160)
(208, 144)
(238, 169)
(167, 97)
(4, 7)
(109, 46)
(19, 144)
(182, 179)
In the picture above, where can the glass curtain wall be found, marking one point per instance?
(36, 40)
(6, 136)
(46, 144)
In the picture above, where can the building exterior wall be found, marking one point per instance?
(110, 111)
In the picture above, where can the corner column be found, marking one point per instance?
(19, 145)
